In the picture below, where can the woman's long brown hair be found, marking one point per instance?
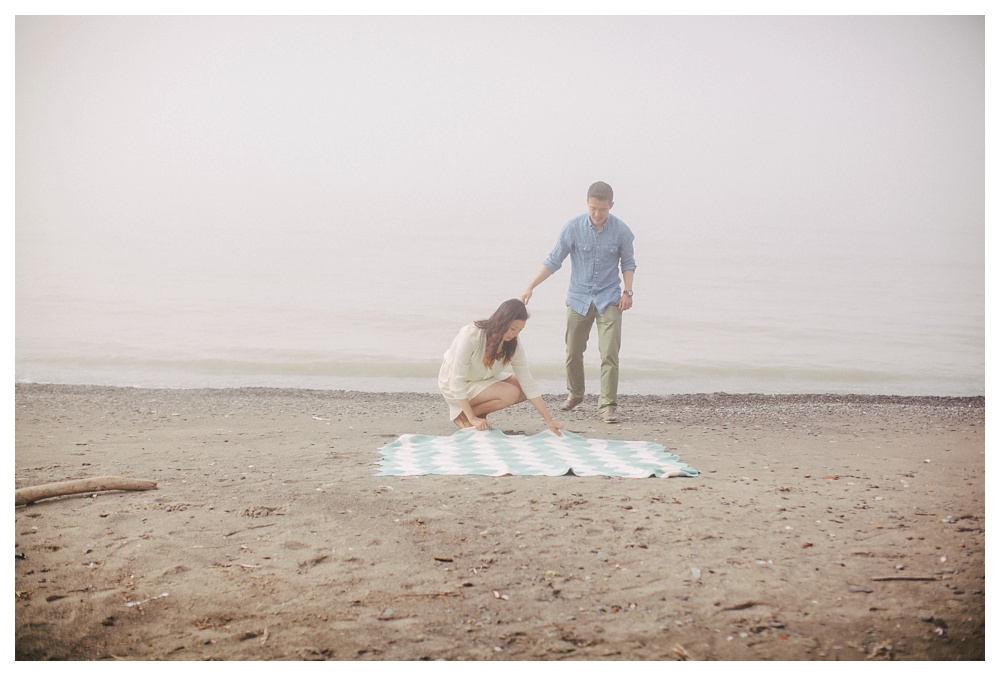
(493, 329)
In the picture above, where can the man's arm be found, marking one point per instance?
(625, 302)
(542, 275)
(626, 254)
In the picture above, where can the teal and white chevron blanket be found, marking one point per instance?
(493, 453)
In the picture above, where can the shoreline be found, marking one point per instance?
(975, 400)
(821, 527)
(427, 384)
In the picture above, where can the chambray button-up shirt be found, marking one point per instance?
(595, 257)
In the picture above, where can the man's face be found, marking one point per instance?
(599, 210)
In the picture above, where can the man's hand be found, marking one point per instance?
(625, 302)
(543, 274)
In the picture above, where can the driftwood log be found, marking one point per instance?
(26, 496)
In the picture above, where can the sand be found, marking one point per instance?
(820, 528)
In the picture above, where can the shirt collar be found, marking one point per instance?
(594, 227)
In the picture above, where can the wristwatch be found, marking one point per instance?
(628, 292)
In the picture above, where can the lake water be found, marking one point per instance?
(374, 309)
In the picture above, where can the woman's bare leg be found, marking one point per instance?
(462, 421)
(497, 396)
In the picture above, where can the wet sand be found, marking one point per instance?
(821, 528)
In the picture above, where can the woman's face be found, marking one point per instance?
(515, 328)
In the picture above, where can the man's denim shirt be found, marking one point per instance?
(595, 256)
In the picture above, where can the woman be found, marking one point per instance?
(476, 377)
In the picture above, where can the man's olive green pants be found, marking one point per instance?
(609, 341)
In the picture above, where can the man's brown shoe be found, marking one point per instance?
(569, 404)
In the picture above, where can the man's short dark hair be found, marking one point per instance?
(601, 191)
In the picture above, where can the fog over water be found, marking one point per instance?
(324, 201)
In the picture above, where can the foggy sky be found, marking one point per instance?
(701, 121)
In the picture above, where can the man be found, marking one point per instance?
(598, 244)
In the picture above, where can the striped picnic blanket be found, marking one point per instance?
(493, 453)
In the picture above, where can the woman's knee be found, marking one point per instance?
(497, 396)
(512, 392)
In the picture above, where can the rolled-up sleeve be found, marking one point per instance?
(626, 251)
(560, 251)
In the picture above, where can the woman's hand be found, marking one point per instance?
(481, 424)
(555, 427)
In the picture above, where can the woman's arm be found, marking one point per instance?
(520, 366)
(544, 410)
(461, 372)
(479, 423)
